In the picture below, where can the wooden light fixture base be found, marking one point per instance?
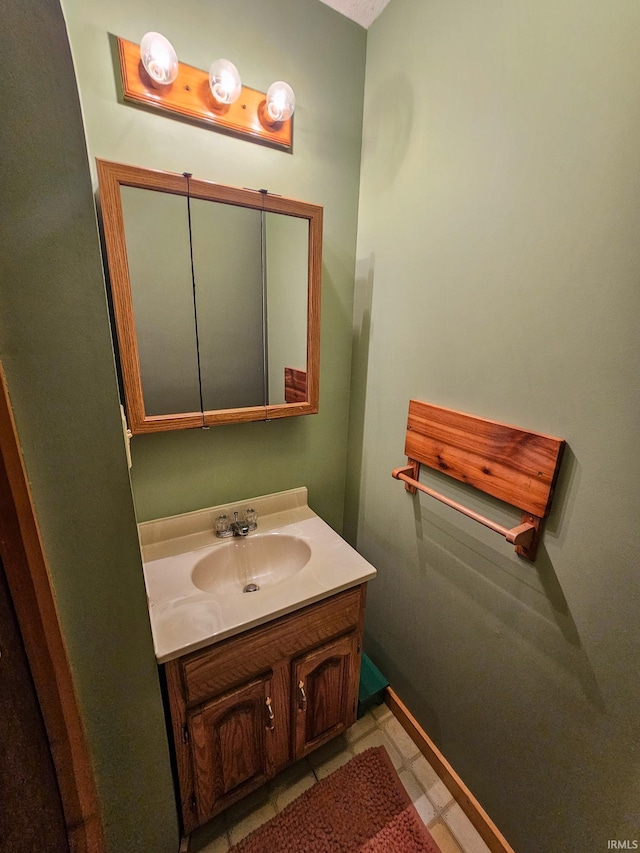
(189, 97)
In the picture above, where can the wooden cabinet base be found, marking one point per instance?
(243, 709)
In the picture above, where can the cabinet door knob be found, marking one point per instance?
(270, 713)
(303, 695)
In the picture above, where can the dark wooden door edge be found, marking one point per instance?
(28, 578)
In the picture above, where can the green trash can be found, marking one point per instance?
(372, 686)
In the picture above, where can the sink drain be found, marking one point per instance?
(251, 587)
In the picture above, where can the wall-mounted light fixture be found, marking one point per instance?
(153, 76)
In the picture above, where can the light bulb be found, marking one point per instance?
(281, 102)
(159, 58)
(225, 82)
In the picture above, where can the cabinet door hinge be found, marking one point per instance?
(185, 734)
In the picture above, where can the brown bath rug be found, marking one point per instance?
(361, 808)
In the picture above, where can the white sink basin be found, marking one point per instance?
(195, 581)
(250, 564)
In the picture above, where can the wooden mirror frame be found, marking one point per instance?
(113, 176)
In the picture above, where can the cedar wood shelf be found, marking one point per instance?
(511, 464)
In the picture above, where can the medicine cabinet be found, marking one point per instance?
(216, 299)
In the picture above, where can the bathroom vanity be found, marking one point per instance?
(245, 708)
(254, 681)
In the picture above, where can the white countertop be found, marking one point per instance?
(184, 618)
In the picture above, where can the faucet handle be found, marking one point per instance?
(223, 526)
(251, 518)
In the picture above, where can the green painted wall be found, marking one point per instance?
(56, 348)
(498, 273)
(321, 54)
(56, 351)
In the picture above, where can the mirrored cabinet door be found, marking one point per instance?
(286, 260)
(159, 260)
(227, 263)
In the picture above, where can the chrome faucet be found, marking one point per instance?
(239, 528)
(236, 527)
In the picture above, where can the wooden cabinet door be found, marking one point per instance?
(231, 745)
(325, 693)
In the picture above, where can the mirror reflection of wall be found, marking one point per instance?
(216, 299)
(161, 290)
(228, 244)
(227, 258)
(286, 262)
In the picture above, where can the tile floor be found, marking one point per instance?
(447, 822)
